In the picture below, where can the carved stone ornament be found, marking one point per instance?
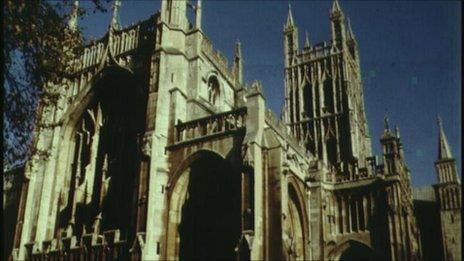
(285, 168)
(247, 156)
(146, 145)
(311, 177)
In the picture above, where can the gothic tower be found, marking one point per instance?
(448, 194)
(324, 104)
(174, 13)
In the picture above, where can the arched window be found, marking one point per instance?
(213, 90)
(308, 100)
(328, 96)
(104, 162)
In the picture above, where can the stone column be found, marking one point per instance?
(247, 191)
(47, 189)
(337, 216)
(392, 238)
(316, 220)
(285, 200)
(29, 207)
(344, 215)
(358, 223)
(350, 219)
(156, 202)
(366, 214)
(253, 139)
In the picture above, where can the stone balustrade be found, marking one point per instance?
(212, 125)
(352, 172)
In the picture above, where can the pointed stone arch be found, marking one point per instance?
(328, 93)
(178, 195)
(221, 87)
(352, 250)
(89, 97)
(308, 97)
(298, 218)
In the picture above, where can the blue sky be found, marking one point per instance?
(409, 51)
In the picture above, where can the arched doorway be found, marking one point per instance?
(354, 250)
(209, 227)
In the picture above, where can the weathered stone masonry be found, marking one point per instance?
(157, 150)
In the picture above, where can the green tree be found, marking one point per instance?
(38, 45)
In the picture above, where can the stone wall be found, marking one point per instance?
(428, 221)
(12, 186)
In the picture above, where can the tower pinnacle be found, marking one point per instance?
(238, 63)
(386, 124)
(72, 23)
(198, 14)
(115, 19)
(444, 151)
(307, 43)
(350, 30)
(290, 22)
(336, 7)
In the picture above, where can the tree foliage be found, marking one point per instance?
(38, 44)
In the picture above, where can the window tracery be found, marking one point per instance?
(213, 90)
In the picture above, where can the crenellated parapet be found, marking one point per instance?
(318, 51)
(218, 59)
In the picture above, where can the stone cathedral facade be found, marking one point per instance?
(157, 150)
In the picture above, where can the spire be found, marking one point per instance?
(444, 151)
(290, 22)
(336, 7)
(115, 19)
(238, 49)
(307, 43)
(72, 23)
(350, 30)
(386, 124)
(338, 26)
(387, 132)
(397, 131)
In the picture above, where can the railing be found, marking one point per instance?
(212, 125)
(353, 175)
(352, 172)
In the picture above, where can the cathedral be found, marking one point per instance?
(156, 149)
